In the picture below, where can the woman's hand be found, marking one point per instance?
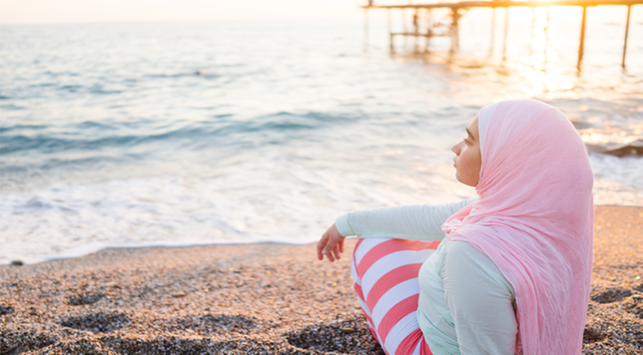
(331, 244)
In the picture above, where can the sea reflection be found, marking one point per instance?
(543, 55)
(290, 120)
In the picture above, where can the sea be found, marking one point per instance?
(166, 134)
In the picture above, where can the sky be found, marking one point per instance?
(79, 11)
(90, 11)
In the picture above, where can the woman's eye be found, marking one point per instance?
(467, 142)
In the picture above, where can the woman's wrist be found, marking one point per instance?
(343, 226)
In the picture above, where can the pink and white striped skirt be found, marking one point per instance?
(385, 277)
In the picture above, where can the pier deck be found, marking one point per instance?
(455, 17)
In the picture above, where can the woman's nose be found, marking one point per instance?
(456, 148)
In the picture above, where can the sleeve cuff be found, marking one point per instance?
(343, 227)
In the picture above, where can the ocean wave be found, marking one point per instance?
(632, 149)
(20, 126)
(93, 135)
(12, 107)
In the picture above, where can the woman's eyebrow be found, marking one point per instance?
(470, 135)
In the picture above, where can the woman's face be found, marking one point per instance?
(468, 158)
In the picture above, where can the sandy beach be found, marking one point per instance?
(258, 299)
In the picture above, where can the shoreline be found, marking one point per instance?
(173, 245)
(263, 298)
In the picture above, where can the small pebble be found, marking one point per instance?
(5, 310)
(179, 295)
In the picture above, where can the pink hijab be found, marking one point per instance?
(534, 220)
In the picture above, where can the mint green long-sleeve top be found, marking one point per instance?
(466, 306)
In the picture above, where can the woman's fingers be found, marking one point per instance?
(336, 252)
(332, 248)
(329, 252)
(331, 244)
(325, 246)
(321, 251)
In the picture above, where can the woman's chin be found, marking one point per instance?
(468, 182)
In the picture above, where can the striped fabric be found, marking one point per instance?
(385, 278)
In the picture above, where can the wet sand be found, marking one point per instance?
(258, 299)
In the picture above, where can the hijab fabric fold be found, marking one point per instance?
(534, 220)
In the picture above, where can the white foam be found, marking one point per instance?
(617, 181)
(252, 202)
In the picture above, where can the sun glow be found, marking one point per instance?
(543, 54)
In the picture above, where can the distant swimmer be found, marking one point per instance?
(198, 72)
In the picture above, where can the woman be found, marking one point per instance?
(508, 272)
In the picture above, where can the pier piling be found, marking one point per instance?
(581, 48)
(454, 28)
(627, 29)
(493, 30)
(504, 42)
(494, 4)
(390, 31)
(366, 28)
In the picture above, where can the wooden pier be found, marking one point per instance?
(452, 29)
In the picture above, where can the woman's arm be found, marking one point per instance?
(418, 222)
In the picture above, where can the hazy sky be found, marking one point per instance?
(70, 11)
(65, 11)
